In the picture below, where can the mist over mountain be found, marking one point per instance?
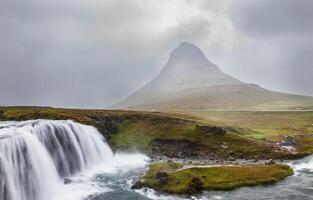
(190, 81)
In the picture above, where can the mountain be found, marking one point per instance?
(190, 81)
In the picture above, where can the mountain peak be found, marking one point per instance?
(187, 45)
(188, 67)
(187, 52)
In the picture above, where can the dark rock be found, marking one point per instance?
(1, 115)
(231, 158)
(178, 148)
(161, 120)
(67, 181)
(290, 141)
(210, 130)
(164, 180)
(137, 185)
(162, 177)
(106, 124)
(161, 174)
(195, 186)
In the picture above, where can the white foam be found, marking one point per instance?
(36, 155)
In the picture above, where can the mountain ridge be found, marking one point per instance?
(190, 81)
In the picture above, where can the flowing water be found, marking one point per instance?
(64, 160)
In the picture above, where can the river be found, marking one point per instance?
(64, 160)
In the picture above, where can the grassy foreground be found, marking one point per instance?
(172, 178)
(172, 135)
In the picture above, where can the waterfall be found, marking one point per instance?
(35, 156)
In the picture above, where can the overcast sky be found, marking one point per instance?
(92, 53)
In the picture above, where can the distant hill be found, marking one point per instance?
(190, 81)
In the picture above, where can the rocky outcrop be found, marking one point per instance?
(195, 186)
(176, 148)
(290, 141)
(210, 130)
(138, 185)
(162, 177)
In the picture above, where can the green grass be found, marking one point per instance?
(213, 178)
(129, 130)
(268, 125)
(139, 136)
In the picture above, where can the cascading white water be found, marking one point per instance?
(35, 156)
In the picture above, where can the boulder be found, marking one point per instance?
(270, 162)
(290, 141)
(161, 174)
(137, 185)
(231, 158)
(164, 180)
(211, 130)
(162, 177)
(67, 181)
(195, 186)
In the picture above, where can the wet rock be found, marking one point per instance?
(137, 185)
(105, 124)
(195, 186)
(67, 181)
(270, 162)
(1, 115)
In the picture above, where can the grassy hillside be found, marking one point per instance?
(270, 126)
(223, 97)
(172, 135)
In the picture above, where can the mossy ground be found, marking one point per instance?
(139, 130)
(264, 124)
(141, 134)
(213, 178)
(267, 125)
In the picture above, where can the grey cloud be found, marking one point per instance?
(267, 17)
(194, 30)
(47, 59)
(279, 53)
(297, 60)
